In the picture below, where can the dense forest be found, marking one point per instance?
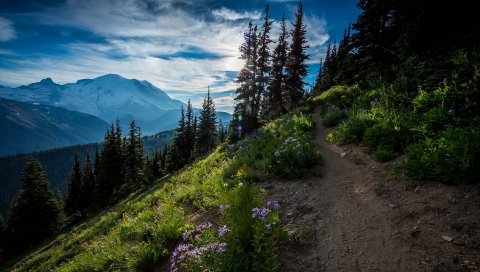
(58, 164)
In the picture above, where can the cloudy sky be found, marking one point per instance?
(181, 46)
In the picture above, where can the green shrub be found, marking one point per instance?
(294, 158)
(453, 158)
(333, 117)
(339, 96)
(384, 154)
(348, 132)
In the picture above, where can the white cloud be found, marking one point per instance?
(153, 41)
(232, 15)
(317, 37)
(6, 30)
(89, 61)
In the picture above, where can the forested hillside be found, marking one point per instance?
(414, 88)
(58, 164)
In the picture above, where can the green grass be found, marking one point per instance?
(142, 230)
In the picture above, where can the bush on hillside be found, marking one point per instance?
(333, 116)
(453, 158)
(350, 131)
(339, 96)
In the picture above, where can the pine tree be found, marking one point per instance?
(175, 158)
(344, 72)
(222, 132)
(33, 216)
(372, 41)
(73, 204)
(319, 78)
(97, 162)
(110, 168)
(59, 198)
(296, 66)
(134, 160)
(207, 127)
(245, 119)
(189, 133)
(264, 62)
(327, 70)
(275, 102)
(88, 187)
(163, 158)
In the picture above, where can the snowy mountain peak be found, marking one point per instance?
(108, 97)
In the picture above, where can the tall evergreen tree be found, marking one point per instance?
(33, 216)
(110, 168)
(296, 66)
(97, 162)
(372, 39)
(176, 152)
(88, 187)
(207, 128)
(134, 160)
(189, 132)
(222, 132)
(264, 60)
(73, 205)
(244, 117)
(344, 72)
(275, 102)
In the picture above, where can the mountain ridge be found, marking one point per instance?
(108, 97)
(28, 127)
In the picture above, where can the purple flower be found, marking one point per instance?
(195, 233)
(222, 208)
(222, 231)
(260, 213)
(205, 225)
(273, 204)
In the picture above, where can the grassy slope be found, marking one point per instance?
(142, 230)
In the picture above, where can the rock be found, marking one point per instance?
(447, 238)
(289, 214)
(343, 154)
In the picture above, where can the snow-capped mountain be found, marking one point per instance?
(108, 97)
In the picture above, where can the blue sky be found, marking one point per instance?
(181, 46)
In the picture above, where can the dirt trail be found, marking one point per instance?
(358, 217)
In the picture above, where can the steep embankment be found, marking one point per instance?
(359, 217)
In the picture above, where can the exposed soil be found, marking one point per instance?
(360, 217)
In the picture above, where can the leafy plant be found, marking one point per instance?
(452, 158)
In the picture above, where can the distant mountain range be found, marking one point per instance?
(107, 97)
(27, 127)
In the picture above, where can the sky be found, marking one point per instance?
(180, 46)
